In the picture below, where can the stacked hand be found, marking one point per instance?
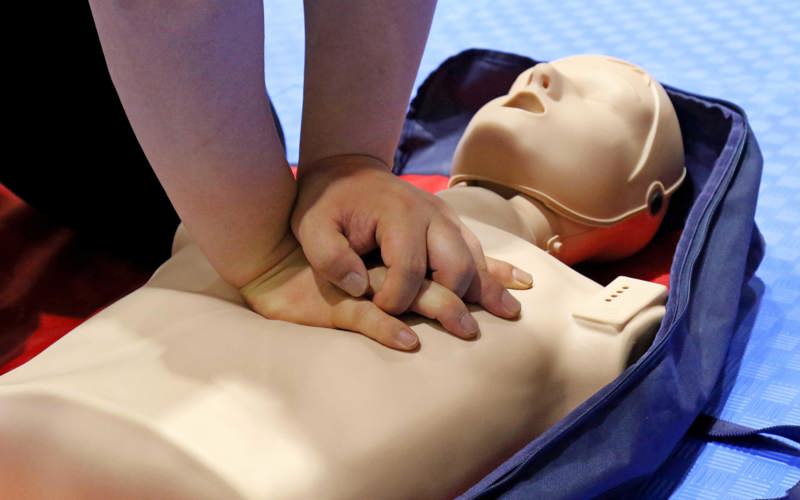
(348, 206)
(293, 291)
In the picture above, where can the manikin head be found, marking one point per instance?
(588, 150)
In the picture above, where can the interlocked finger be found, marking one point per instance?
(363, 316)
(436, 302)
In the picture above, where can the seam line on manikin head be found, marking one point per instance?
(651, 134)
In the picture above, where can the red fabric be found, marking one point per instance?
(651, 264)
(430, 183)
(50, 282)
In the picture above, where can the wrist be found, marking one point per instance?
(290, 254)
(279, 253)
(347, 162)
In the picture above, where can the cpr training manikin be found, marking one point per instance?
(179, 390)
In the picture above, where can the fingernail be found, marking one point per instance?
(521, 277)
(469, 326)
(511, 304)
(354, 284)
(406, 338)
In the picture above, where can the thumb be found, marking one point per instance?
(329, 253)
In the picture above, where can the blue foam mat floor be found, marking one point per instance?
(744, 51)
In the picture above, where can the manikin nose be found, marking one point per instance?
(545, 76)
(544, 83)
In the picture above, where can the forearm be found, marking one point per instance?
(190, 77)
(361, 60)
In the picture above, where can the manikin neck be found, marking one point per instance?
(537, 220)
(525, 217)
(553, 232)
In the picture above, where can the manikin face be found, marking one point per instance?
(566, 102)
(585, 135)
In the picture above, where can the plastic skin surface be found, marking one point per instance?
(180, 391)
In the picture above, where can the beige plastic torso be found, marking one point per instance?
(179, 391)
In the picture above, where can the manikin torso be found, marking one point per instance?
(181, 370)
(180, 391)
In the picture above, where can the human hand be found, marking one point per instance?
(351, 204)
(293, 291)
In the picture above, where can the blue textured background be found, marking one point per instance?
(745, 52)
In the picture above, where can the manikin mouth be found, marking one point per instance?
(526, 101)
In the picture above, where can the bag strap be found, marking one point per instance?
(717, 429)
(710, 428)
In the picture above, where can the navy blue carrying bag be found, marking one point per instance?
(614, 442)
